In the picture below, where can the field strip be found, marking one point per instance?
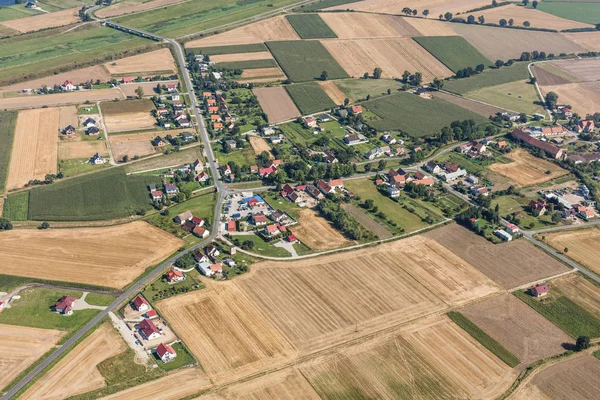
(549, 278)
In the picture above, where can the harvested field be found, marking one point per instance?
(368, 222)
(43, 21)
(585, 69)
(262, 75)
(584, 97)
(527, 170)
(587, 40)
(76, 76)
(581, 291)
(259, 145)
(129, 122)
(224, 330)
(33, 101)
(259, 55)
(34, 152)
(435, 7)
(537, 18)
(317, 233)
(517, 327)
(62, 382)
(277, 28)
(148, 88)
(137, 144)
(583, 244)
(503, 44)
(334, 92)
(478, 108)
(127, 7)
(431, 27)
(508, 264)
(158, 61)
(68, 116)
(359, 25)
(276, 103)
(81, 149)
(575, 378)
(460, 358)
(393, 56)
(177, 385)
(109, 256)
(21, 346)
(545, 77)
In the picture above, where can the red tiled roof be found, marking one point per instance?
(138, 301)
(163, 349)
(148, 328)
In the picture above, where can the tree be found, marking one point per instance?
(415, 12)
(525, 2)
(481, 19)
(582, 343)
(125, 158)
(425, 13)
(448, 16)
(534, 3)
(366, 75)
(158, 89)
(324, 75)
(533, 80)
(381, 165)
(5, 224)
(526, 24)
(406, 11)
(470, 19)
(377, 73)
(551, 100)
(556, 218)
(522, 118)
(494, 3)
(416, 79)
(503, 22)
(405, 76)
(369, 204)
(368, 167)
(479, 68)
(437, 83)
(346, 101)
(140, 92)
(499, 63)
(497, 208)
(44, 225)
(566, 250)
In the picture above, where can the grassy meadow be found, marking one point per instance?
(310, 98)
(310, 26)
(453, 51)
(491, 77)
(8, 122)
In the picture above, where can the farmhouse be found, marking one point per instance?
(88, 123)
(511, 228)
(357, 110)
(505, 236)
(65, 305)
(586, 126)
(93, 131)
(165, 353)
(127, 79)
(159, 142)
(171, 189)
(184, 216)
(540, 290)
(200, 232)
(67, 86)
(157, 195)
(310, 122)
(69, 130)
(216, 268)
(272, 230)
(537, 207)
(140, 304)
(587, 213)
(148, 329)
(393, 191)
(174, 276)
(259, 219)
(352, 139)
(551, 150)
(97, 159)
(324, 187)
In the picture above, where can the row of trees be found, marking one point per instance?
(344, 222)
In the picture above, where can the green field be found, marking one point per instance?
(250, 64)
(106, 195)
(262, 247)
(15, 12)
(518, 96)
(8, 121)
(359, 89)
(44, 53)
(305, 60)
(564, 313)
(16, 206)
(78, 166)
(310, 98)
(486, 341)
(319, 5)
(194, 16)
(126, 106)
(98, 299)
(233, 49)
(416, 116)
(453, 51)
(577, 11)
(310, 26)
(490, 77)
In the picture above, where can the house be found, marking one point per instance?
(31, 5)
(452, 176)
(272, 230)
(553, 130)
(472, 179)
(587, 213)
(433, 167)
(197, 221)
(185, 123)
(428, 181)
(505, 236)
(218, 126)
(336, 183)
(586, 126)
(314, 192)
(65, 305)
(357, 110)
(67, 86)
(478, 148)
(324, 118)
(165, 353)
(393, 191)
(174, 276)
(97, 159)
(183, 217)
(148, 330)
(198, 166)
(88, 123)
(171, 189)
(157, 195)
(159, 142)
(200, 232)
(212, 251)
(352, 139)
(342, 113)
(69, 130)
(177, 104)
(265, 172)
(329, 157)
(226, 170)
(127, 79)
(152, 314)
(538, 206)
(93, 131)
(569, 213)
(277, 139)
(540, 290)
(216, 268)
(511, 228)
(464, 148)
(231, 227)
(268, 131)
(200, 257)
(204, 268)
(278, 216)
(324, 187)
(202, 177)
(171, 87)
(187, 136)
(479, 190)
(389, 139)
(259, 219)
(510, 116)
(231, 143)
(552, 151)
(502, 144)
(206, 95)
(310, 122)
(286, 190)
(140, 304)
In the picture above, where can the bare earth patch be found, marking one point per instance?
(110, 256)
(259, 55)
(478, 108)
(334, 92)
(33, 101)
(367, 222)
(148, 88)
(587, 40)
(137, 144)
(21, 346)
(317, 233)
(78, 373)
(431, 27)
(81, 149)
(259, 145)
(276, 103)
(362, 25)
(526, 169)
(435, 7)
(44, 21)
(582, 69)
(583, 245)
(34, 152)
(129, 122)
(68, 116)
(257, 75)
(154, 61)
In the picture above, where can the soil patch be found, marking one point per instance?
(259, 145)
(583, 245)
(80, 97)
(44, 21)
(317, 233)
(154, 61)
(276, 103)
(334, 92)
(526, 170)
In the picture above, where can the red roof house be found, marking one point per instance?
(140, 304)
(357, 109)
(231, 225)
(175, 276)
(148, 329)
(151, 314)
(165, 352)
(127, 79)
(65, 305)
(540, 290)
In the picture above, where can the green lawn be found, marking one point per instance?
(34, 309)
(490, 77)
(184, 357)
(10, 282)
(78, 166)
(305, 60)
(16, 11)
(518, 96)
(486, 341)
(105, 195)
(262, 247)
(310, 26)
(453, 51)
(8, 122)
(310, 98)
(162, 289)
(416, 116)
(16, 206)
(244, 156)
(232, 49)
(587, 12)
(564, 313)
(250, 64)
(279, 203)
(359, 89)
(98, 299)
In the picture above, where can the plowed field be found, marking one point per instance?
(361, 26)
(137, 144)
(587, 40)
(31, 101)
(127, 7)
(81, 149)
(581, 291)
(334, 92)
(43, 21)
(584, 97)
(259, 145)
(276, 103)
(583, 245)
(259, 55)
(146, 63)
(129, 122)
(526, 170)
(435, 7)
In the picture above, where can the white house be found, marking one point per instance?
(67, 86)
(140, 304)
(204, 268)
(165, 352)
(148, 330)
(97, 159)
(505, 236)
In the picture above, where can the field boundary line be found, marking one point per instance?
(526, 285)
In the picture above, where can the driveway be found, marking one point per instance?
(129, 336)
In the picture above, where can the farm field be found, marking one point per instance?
(435, 7)
(126, 7)
(128, 116)
(582, 291)
(8, 122)
(176, 385)
(537, 18)
(365, 220)
(503, 44)
(21, 347)
(518, 96)
(488, 78)
(310, 26)
(43, 21)
(78, 255)
(51, 100)
(334, 92)
(148, 88)
(259, 145)
(104, 195)
(34, 152)
(180, 157)
(578, 69)
(276, 103)
(587, 40)
(135, 144)
(393, 56)
(392, 109)
(304, 60)
(583, 245)
(584, 11)
(517, 327)
(430, 27)
(157, 62)
(527, 170)
(62, 382)
(16, 11)
(453, 51)
(310, 98)
(584, 98)
(231, 49)
(508, 264)
(576, 377)
(316, 232)
(478, 108)
(361, 25)
(68, 150)
(358, 89)
(250, 64)
(232, 57)
(258, 75)
(276, 28)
